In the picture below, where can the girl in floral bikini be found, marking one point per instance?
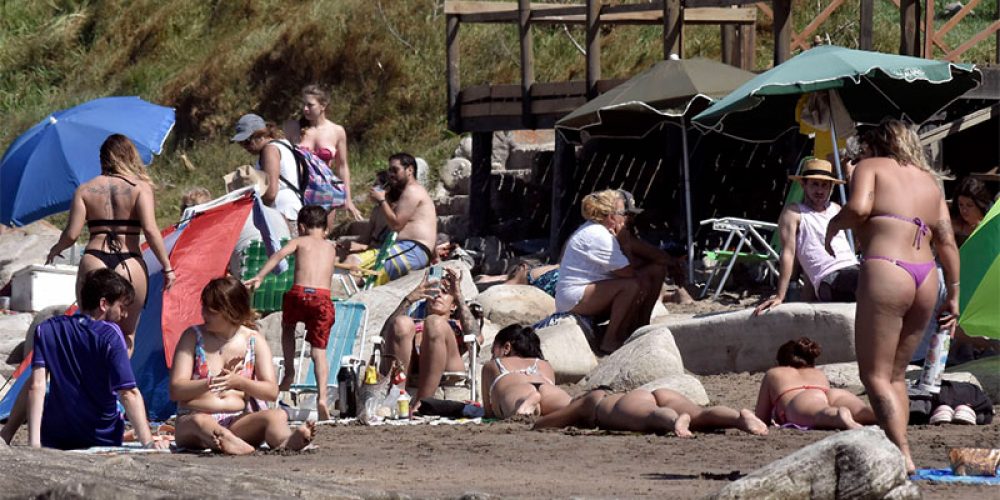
(222, 370)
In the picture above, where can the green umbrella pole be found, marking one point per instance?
(840, 174)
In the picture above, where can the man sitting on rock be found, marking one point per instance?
(802, 227)
(409, 211)
(424, 334)
(84, 361)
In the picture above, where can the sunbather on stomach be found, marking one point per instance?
(222, 370)
(518, 381)
(796, 394)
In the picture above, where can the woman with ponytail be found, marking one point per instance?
(796, 394)
(221, 376)
(519, 381)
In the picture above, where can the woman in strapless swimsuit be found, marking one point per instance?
(221, 377)
(898, 210)
(116, 206)
(327, 140)
(518, 381)
(796, 394)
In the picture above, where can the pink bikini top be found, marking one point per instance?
(323, 153)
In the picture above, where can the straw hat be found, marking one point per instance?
(814, 168)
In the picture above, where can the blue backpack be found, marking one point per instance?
(322, 186)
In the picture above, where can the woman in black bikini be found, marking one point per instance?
(116, 206)
(796, 394)
(518, 381)
(899, 212)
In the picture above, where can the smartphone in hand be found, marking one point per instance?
(434, 275)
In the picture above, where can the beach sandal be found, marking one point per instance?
(942, 415)
(964, 415)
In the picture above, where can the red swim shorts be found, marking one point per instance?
(313, 307)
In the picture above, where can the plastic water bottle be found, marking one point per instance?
(934, 362)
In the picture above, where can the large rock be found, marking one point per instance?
(270, 327)
(464, 149)
(688, 385)
(455, 226)
(25, 246)
(423, 172)
(12, 331)
(842, 375)
(452, 205)
(566, 348)
(861, 463)
(508, 304)
(738, 342)
(649, 354)
(455, 174)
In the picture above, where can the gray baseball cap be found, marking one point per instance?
(247, 125)
(629, 202)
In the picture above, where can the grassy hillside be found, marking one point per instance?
(383, 60)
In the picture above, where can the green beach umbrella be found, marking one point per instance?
(979, 299)
(872, 86)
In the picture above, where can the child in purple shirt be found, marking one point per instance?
(85, 362)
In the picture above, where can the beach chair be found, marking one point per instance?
(748, 234)
(370, 275)
(351, 318)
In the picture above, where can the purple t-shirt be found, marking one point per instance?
(87, 361)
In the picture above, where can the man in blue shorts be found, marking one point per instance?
(84, 361)
(408, 210)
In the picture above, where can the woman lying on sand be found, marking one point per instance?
(221, 371)
(519, 381)
(662, 410)
(795, 393)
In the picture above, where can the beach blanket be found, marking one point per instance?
(124, 449)
(401, 422)
(947, 476)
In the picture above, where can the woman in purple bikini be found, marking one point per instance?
(899, 212)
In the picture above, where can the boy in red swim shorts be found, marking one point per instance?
(308, 301)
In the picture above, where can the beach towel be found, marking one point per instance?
(947, 476)
(428, 420)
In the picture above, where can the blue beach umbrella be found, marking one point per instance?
(44, 166)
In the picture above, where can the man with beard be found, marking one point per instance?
(803, 231)
(406, 208)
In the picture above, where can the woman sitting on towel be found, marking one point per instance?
(116, 206)
(796, 394)
(518, 381)
(222, 370)
(641, 410)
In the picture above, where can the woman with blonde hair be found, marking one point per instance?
(324, 138)
(901, 218)
(116, 205)
(595, 278)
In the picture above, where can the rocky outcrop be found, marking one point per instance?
(12, 332)
(737, 341)
(508, 304)
(862, 463)
(649, 354)
(455, 175)
(688, 385)
(565, 347)
(25, 246)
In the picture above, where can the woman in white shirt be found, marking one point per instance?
(276, 160)
(595, 278)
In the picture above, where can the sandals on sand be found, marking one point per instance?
(964, 415)
(943, 414)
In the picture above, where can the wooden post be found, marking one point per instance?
(673, 28)
(593, 47)
(747, 45)
(782, 30)
(928, 51)
(866, 23)
(997, 17)
(479, 183)
(527, 62)
(729, 50)
(563, 163)
(454, 86)
(909, 34)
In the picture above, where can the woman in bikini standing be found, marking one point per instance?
(796, 393)
(324, 138)
(519, 381)
(116, 206)
(899, 212)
